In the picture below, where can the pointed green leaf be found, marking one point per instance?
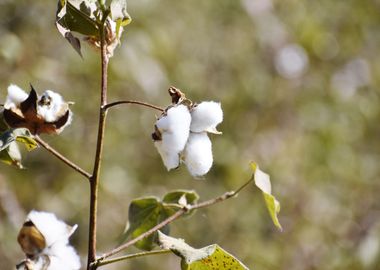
(207, 258)
(262, 181)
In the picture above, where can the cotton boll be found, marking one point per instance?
(15, 96)
(51, 106)
(63, 257)
(51, 228)
(169, 157)
(174, 128)
(198, 154)
(206, 116)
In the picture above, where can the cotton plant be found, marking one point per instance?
(48, 113)
(181, 136)
(181, 133)
(45, 241)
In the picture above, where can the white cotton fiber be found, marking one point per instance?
(63, 257)
(206, 116)
(169, 157)
(174, 128)
(53, 229)
(54, 108)
(198, 154)
(15, 96)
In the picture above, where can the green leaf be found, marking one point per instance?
(119, 13)
(207, 258)
(11, 155)
(144, 214)
(262, 181)
(75, 16)
(181, 197)
(9, 151)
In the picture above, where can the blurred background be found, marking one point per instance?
(299, 86)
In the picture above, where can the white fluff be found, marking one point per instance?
(53, 111)
(174, 128)
(198, 154)
(169, 157)
(206, 116)
(63, 257)
(53, 229)
(15, 96)
(58, 254)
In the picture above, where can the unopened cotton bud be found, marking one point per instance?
(198, 154)
(206, 116)
(15, 96)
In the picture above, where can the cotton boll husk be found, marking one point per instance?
(53, 111)
(15, 96)
(51, 228)
(198, 154)
(206, 116)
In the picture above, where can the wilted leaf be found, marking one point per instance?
(208, 258)
(262, 181)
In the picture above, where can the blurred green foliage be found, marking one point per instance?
(299, 85)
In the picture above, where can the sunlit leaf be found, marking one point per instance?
(119, 12)
(9, 151)
(11, 155)
(208, 258)
(262, 181)
(70, 19)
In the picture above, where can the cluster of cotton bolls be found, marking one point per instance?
(48, 113)
(45, 241)
(181, 134)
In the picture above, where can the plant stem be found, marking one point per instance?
(136, 255)
(176, 215)
(94, 183)
(61, 157)
(109, 105)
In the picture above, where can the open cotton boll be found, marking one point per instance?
(206, 116)
(51, 106)
(63, 257)
(198, 154)
(15, 96)
(52, 229)
(169, 157)
(177, 119)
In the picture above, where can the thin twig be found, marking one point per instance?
(135, 102)
(176, 215)
(61, 157)
(94, 183)
(132, 256)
